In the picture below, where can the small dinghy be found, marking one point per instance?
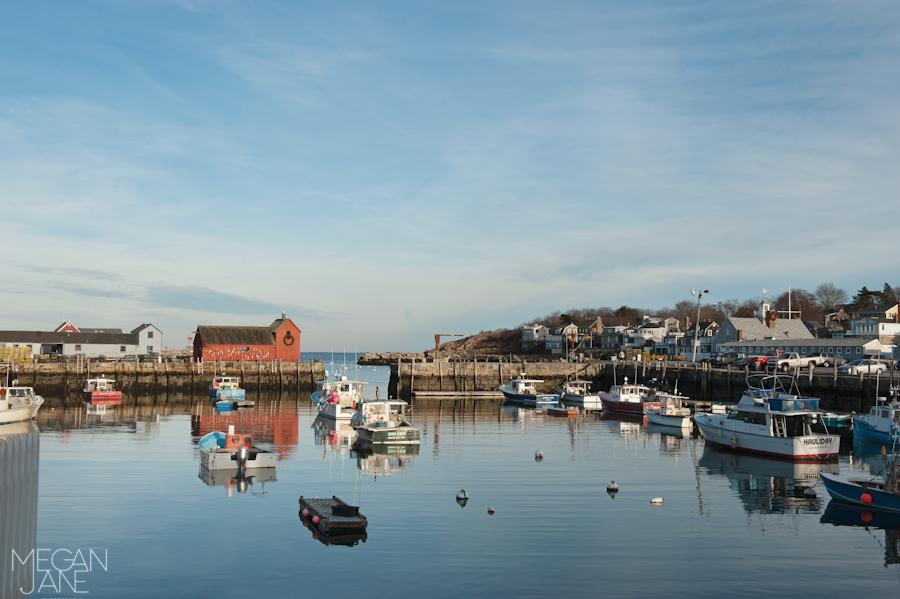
(220, 450)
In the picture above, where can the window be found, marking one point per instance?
(149, 348)
(859, 350)
(77, 348)
(149, 334)
(245, 349)
(803, 350)
(830, 350)
(122, 348)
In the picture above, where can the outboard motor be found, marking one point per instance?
(243, 453)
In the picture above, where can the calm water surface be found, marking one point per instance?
(128, 484)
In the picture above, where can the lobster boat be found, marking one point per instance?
(577, 393)
(384, 422)
(522, 390)
(102, 392)
(18, 404)
(220, 451)
(671, 411)
(226, 388)
(337, 398)
(628, 399)
(881, 424)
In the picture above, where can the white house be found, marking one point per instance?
(149, 339)
(875, 328)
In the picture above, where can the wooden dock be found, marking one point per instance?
(329, 524)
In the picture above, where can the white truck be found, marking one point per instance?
(787, 361)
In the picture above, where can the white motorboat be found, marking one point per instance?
(768, 420)
(337, 398)
(18, 404)
(524, 391)
(671, 411)
(384, 422)
(577, 393)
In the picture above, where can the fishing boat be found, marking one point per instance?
(524, 391)
(102, 392)
(577, 393)
(337, 398)
(880, 424)
(880, 490)
(18, 404)
(628, 398)
(226, 388)
(220, 450)
(671, 411)
(384, 422)
(768, 420)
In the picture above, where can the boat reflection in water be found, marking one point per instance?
(336, 435)
(841, 514)
(384, 460)
(518, 413)
(234, 479)
(675, 441)
(20, 445)
(769, 485)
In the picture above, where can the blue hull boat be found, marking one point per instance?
(863, 430)
(866, 491)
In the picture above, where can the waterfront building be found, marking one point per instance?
(533, 335)
(149, 338)
(849, 348)
(278, 341)
(766, 327)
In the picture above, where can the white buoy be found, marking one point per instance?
(462, 494)
(491, 510)
(612, 487)
(657, 501)
(809, 493)
(538, 455)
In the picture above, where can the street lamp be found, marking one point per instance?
(697, 324)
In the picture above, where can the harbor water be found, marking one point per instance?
(124, 485)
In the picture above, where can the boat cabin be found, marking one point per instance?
(382, 413)
(671, 405)
(13, 397)
(99, 385)
(576, 387)
(631, 390)
(226, 382)
(524, 386)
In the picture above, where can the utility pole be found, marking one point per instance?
(697, 324)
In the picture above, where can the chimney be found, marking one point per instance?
(282, 315)
(771, 318)
(740, 335)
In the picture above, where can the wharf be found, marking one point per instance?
(330, 524)
(454, 395)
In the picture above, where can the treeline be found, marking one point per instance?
(824, 299)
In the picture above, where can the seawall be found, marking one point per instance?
(697, 381)
(151, 378)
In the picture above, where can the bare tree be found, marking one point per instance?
(829, 295)
(800, 300)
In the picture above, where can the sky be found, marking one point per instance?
(385, 171)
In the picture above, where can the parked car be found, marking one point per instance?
(863, 366)
(728, 358)
(739, 363)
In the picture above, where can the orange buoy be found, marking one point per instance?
(865, 498)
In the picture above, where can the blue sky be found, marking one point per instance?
(386, 171)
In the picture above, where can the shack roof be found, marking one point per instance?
(54, 338)
(216, 335)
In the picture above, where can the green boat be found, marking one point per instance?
(384, 422)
